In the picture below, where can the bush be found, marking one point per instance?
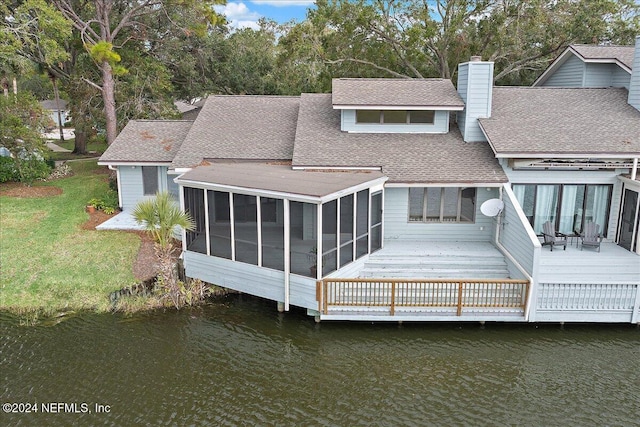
(8, 171)
(32, 169)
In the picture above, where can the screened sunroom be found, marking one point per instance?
(308, 223)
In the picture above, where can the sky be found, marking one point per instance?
(245, 13)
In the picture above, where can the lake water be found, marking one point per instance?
(239, 362)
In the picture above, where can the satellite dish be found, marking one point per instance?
(492, 207)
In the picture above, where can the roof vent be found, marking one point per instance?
(475, 59)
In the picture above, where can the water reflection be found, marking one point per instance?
(239, 362)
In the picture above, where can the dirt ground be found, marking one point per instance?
(16, 189)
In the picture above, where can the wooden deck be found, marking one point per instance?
(435, 260)
(612, 265)
(469, 281)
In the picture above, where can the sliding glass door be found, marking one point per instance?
(567, 206)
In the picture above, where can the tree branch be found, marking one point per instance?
(374, 65)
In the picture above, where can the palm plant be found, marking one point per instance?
(161, 216)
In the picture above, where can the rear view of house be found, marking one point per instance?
(413, 199)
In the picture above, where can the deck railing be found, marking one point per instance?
(394, 293)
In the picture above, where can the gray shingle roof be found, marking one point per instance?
(623, 54)
(396, 92)
(50, 104)
(241, 127)
(279, 177)
(543, 121)
(148, 141)
(404, 158)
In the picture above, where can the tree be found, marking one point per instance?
(428, 38)
(21, 121)
(34, 31)
(161, 216)
(108, 25)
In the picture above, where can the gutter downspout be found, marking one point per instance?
(634, 170)
(115, 168)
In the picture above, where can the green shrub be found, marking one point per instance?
(96, 203)
(8, 171)
(108, 204)
(110, 200)
(32, 169)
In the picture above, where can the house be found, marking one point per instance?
(51, 108)
(412, 200)
(189, 111)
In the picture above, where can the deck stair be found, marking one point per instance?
(437, 260)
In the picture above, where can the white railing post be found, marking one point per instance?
(635, 316)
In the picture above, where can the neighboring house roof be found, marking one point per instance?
(183, 107)
(542, 121)
(423, 93)
(241, 127)
(147, 141)
(279, 178)
(50, 104)
(620, 55)
(404, 158)
(608, 54)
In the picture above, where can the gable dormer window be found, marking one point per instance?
(395, 117)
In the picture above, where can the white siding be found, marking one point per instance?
(463, 82)
(302, 292)
(247, 278)
(516, 239)
(569, 74)
(251, 279)
(598, 75)
(634, 86)
(478, 96)
(620, 78)
(440, 125)
(131, 184)
(397, 225)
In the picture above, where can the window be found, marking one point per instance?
(149, 180)
(395, 117)
(421, 116)
(442, 204)
(368, 116)
(245, 216)
(568, 206)
(303, 254)
(376, 221)
(362, 223)
(272, 211)
(219, 223)
(329, 237)
(346, 229)
(194, 205)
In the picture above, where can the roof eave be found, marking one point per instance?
(456, 107)
(134, 163)
(562, 155)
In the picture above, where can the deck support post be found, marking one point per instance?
(459, 298)
(393, 298)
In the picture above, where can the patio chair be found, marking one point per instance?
(552, 237)
(590, 236)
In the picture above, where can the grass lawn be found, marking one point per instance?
(93, 144)
(48, 263)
